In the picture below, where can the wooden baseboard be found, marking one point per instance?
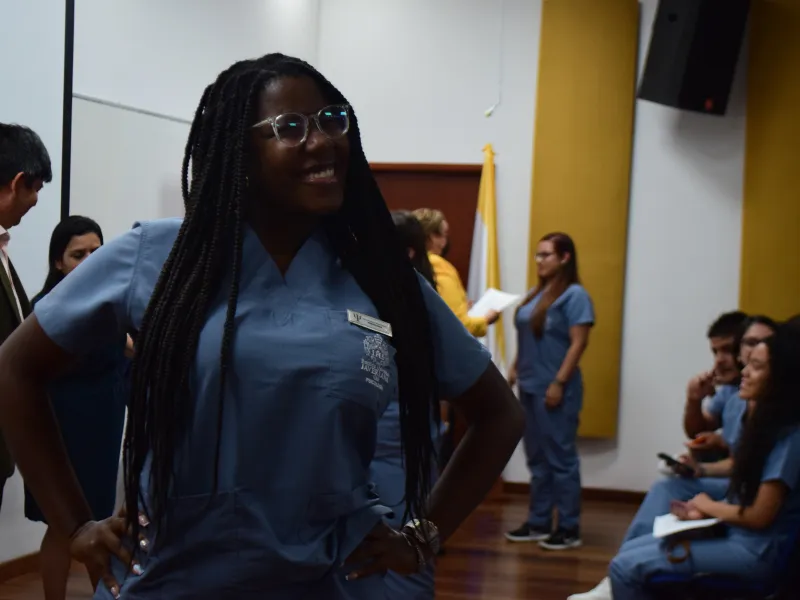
(589, 494)
(19, 566)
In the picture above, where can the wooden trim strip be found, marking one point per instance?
(17, 567)
(589, 494)
(455, 169)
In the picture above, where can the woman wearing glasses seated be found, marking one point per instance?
(275, 323)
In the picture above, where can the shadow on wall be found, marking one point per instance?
(170, 200)
(603, 453)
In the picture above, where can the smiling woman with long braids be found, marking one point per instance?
(275, 323)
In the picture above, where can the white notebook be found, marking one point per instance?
(667, 525)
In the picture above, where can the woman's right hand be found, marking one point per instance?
(709, 440)
(491, 317)
(95, 543)
(512, 375)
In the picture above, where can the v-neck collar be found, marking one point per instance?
(309, 267)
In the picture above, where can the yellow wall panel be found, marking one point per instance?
(770, 264)
(581, 169)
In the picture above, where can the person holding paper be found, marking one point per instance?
(553, 324)
(448, 281)
(762, 508)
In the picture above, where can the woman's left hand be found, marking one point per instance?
(383, 549)
(554, 395)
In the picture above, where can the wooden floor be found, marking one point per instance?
(479, 563)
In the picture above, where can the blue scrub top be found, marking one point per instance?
(730, 409)
(538, 360)
(302, 402)
(782, 464)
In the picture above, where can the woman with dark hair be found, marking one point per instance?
(275, 323)
(412, 237)
(89, 406)
(448, 281)
(553, 324)
(387, 470)
(762, 509)
(794, 322)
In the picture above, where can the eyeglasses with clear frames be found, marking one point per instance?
(291, 129)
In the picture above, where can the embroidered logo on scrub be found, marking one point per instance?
(376, 360)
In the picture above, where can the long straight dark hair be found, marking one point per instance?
(565, 277)
(773, 414)
(63, 233)
(209, 246)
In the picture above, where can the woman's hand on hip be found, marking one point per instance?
(95, 543)
(554, 395)
(384, 549)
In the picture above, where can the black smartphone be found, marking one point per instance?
(677, 466)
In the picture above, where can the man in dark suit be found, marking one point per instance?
(24, 169)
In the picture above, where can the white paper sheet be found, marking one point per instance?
(492, 299)
(667, 525)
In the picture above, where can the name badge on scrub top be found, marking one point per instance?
(370, 323)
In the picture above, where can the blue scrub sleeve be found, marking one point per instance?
(460, 359)
(89, 308)
(716, 404)
(783, 463)
(578, 307)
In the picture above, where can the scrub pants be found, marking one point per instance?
(638, 560)
(552, 452)
(663, 492)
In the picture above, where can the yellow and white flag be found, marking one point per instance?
(484, 264)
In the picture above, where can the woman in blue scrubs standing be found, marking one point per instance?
(275, 323)
(553, 324)
(89, 405)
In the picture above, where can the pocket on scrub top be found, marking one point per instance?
(199, 544)
(362, 366)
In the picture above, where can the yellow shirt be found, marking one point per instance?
(452, 291)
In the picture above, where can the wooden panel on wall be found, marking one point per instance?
(581, 170)
(770, 263)
(453, 189)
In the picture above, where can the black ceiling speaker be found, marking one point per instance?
(694, 49)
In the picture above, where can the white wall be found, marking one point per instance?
(126, 164)
(139, 180)
(159, 56)
(684, 244)
(32, 68)
(420, 75)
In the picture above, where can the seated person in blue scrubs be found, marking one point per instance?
(725, 406)
(708, 392)
(762, 508)
(710, 478)
(275, 323)
(89, 406)
(387, 470)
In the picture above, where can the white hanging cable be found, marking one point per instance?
(490, 111)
